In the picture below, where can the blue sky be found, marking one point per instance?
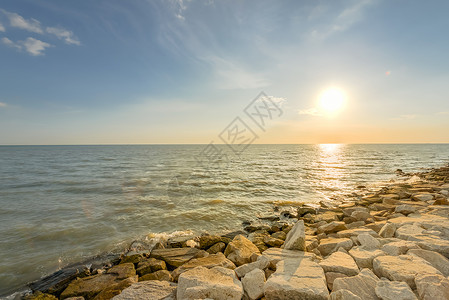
(101, 72)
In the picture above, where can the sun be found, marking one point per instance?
(332, 100)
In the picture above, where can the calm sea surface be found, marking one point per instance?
(62, 204)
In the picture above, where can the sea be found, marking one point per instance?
(63, 204)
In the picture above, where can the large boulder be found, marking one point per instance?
(437, 260)
(176, 256)
(330, 245)
(214, 260)
(207, 241)
(154, 289)
(261, 263)
(402, 268)
(123, 270)
(297, 279)
(363, 285)
(240, 249)
(340, 262)
(217, 283)
(150, 265)
(89, 287)
(432, 286)
(296, 237)
(253, 283)
(116, 289)
(394, 290)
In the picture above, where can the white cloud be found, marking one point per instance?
(310, 111)
(10, 43)
(35, 47)
(18, 21)
(64, 34)
(2, 28)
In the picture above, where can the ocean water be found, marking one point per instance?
(62, 204)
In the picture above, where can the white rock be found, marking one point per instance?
(368, 242)
(432, 286)
(296, 279)
(387, 230)
(362, 285)
(261, 263)
(437, 260)
(217, 283)
(364, 258)
(398, 248)
(330, 245)
(394, 290)
(343, 295)
(341, 263)
(151, 289)
(253, 283)
(296, 237)
(402, 268)
(240, 249)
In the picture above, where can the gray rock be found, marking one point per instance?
(394, 290)
(432, 286)
(398, 248)
(368, 242)
(261, 263)
(387, 230)
(296, 239)
(253, 283)
(154, 289)
(437, 260)
(405, 209)
(362, 285)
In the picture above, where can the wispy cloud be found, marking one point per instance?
(31, 45)
(64, 34)
(2, 28)
(404, 117)
(343, 21)
(310, 111)
(16, 20)
(443, 113)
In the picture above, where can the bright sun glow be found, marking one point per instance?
(332, 100)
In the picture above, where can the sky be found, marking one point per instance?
(182, 71)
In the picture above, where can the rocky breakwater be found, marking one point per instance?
(389, 244)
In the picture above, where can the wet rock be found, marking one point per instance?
(394, 290)
(364, 258)
(122, 271)
(162, 275)
(343, 295)
(261, 263)
(217, 283)
(115, 289)
(132, 257)
(215, 248)
(39, 296)
(363, 285)
(432, 286)
(175, 256)
(89, 287)
(402, 268)
(150, 265)
(437, 260)
(330, 245)
(297, 279)
(295, 239)
(253, 284)
(179, 241)
(341, 263)
(154, 289)
(253, 228)
(387, 230)
(214, 260)
(240, 249)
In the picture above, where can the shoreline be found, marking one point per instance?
(325, 236)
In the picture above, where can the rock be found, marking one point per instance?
(179, 241)
(253, 283)
(422, 197)
(405, 209)
(206, 241)
(363, 285)
(330, 278)
(214, 260)
(355, 224)
(330, 245)
(89, 287)
(162, 275)
(215, 248)
(437, 260)
(361, 215)
(355, 232)
(387, 230)
(368, 242)
(394, 290)
(348, 211)
(280, 235)
(402, 268)
(261, 264)
(175, 256)
(297, 279)
(272, 242)
(239, 250)
(132, 257)
(123, 271)
(217, 283)
(150, 265)
(154, 290)
(432, 286)
(332, 227)
(115, 289)
(303, 210)
(328, 216)
(341, 263)
(343, 295)
(296, 238)
(39, 296)
(364, 258)
(274, 255)
(398, 248)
